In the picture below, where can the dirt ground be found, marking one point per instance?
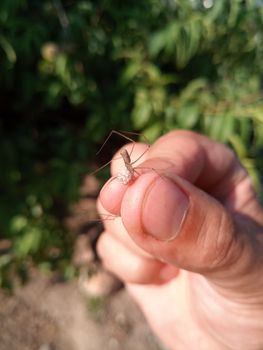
(55, 316)
(91, 313)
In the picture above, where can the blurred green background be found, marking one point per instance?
(73, 70)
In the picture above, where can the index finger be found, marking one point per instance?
(207, 164)
(197, 158)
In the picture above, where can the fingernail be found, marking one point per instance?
(111, 195)
(164, 209)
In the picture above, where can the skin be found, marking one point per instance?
(188, 243)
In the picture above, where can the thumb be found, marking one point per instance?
(182, 225)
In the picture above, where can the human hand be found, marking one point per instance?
(188, 243)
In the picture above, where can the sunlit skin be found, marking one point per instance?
(188, 243)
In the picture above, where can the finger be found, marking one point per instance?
(208, 164)
(114, 226)
(138, 153)
(176, 222)
(180, 224)
(116, 230)
(130, 267)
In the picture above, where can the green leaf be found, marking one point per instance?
(234, 12)
(238, 145)
(192, 89)
(220, 127)
(153, 132)
(216, 11)
(141, 115)
(131, 71)
(18, 223)
(143, 109)
(8, 49)
(5, 260)
(29, 242)
(187, 116)
(157, 43)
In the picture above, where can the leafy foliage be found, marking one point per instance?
(71, 71)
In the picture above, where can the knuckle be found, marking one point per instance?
(223, 242)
